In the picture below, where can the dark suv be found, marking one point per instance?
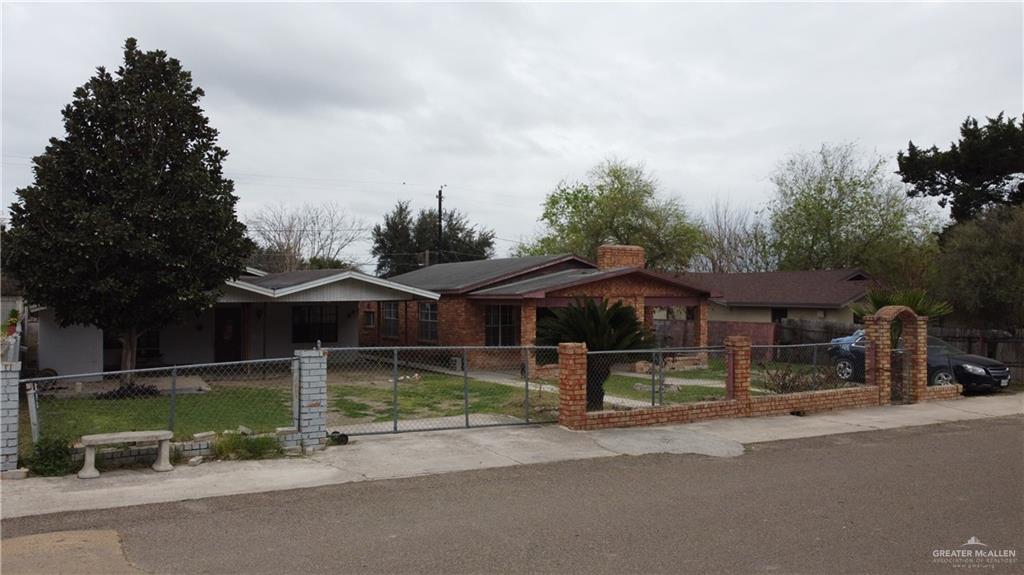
(946, 364)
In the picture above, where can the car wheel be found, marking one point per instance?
(942, 376)
(844, 369)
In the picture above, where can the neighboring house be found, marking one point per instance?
(753, 304)
(11, 298)
(765, 297)
(258, 315)
(498, 302)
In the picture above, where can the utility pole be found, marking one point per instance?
(440, 219)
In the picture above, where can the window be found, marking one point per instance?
(501, 325)
(389, 318)
(779, 314)
(314, 322)
(428, 321)
(369, 319)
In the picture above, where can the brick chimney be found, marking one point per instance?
(611, 257)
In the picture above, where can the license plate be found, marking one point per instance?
(1004, 383)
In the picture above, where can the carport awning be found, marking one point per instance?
(320, 285)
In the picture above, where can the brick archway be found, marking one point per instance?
(879, 362)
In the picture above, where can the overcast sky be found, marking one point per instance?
(368, 104)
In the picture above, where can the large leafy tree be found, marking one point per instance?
(403, 243)
(981, 268)
(130, 223)
(985, 168)
(835, 208)
(618, 203)
(602, 327)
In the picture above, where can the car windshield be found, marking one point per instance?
(936, 345)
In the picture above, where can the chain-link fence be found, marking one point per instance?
(780, 369)
(388, 390)
(257, 395)
(644, 378)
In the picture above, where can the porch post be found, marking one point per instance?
(528, 332)
(701, 317)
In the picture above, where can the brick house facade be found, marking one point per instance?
(498, 302)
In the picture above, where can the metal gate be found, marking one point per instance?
(899, 371)
(398, 389)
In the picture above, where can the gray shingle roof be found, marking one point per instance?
(542, 283)
(289, 279)
(820, 289)
(462, 276)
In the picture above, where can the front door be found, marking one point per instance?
(227, 323)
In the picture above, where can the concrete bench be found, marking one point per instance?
(163, 457)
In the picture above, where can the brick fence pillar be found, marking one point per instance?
(915, 336)
(878, 356)
(737, 357)
(9, 416)
(572, 385)
(312, 398)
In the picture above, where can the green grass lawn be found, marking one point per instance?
(435, 395)
(711, 372)
(637, 388)
(259, 409)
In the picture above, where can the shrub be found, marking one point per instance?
(784, 378)
(238, 446)
(51, 457)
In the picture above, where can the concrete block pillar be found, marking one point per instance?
(737, 357)
(312, 422)
(9, 416)
(572, 385)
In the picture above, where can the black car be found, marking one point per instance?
(946, 364)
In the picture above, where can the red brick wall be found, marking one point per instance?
(612, 257)
(739, 402)
(942, 392)
(759, 333)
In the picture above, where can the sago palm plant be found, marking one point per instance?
(917, 300)
(602, 327)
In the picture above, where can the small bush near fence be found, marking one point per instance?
(52, 456)
(238, 446)
(784, 369)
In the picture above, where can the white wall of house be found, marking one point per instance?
(69, 350)
(718, 312)
(764, 314)
(188, 342)
(843, 315)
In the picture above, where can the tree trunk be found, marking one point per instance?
(129, 348)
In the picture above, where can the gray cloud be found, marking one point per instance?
(345, 102)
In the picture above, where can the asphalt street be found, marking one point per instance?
(872, 502)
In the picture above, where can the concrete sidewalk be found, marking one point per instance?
(413, 454)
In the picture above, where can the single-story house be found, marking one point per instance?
(498, 302)
(768, 297)
(754, 304)
(258, 315)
